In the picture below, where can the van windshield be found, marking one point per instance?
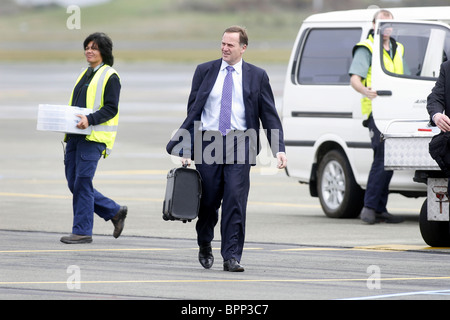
(416, 50)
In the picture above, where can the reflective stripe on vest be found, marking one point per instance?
(392, 65)
(105, 132)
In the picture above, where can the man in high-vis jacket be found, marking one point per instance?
(97, 88)
(377, 190)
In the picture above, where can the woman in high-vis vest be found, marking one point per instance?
(377, 189)
(98, 89)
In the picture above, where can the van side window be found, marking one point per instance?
(326, 56)
(425, 48)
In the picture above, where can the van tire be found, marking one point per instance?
(434, 233)
(339, 194)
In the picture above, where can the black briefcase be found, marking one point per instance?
(183, 194)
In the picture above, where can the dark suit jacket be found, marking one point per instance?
(258, 100)
(439, 98)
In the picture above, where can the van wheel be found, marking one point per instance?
(434, 233)
(339, 195)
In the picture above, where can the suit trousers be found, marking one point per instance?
(377, 190)
(227, 186)
(81, 159)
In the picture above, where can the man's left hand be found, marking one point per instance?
(282, 160)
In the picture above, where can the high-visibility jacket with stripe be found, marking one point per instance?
(394, 65)
(105, 132)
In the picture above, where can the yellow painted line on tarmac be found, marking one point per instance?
(52, 196)
(309, 249)
(34, 195)
(251, 203)
(97, 181)
(392, 247)
(106, 250)
(162, 281)
(225, 280)
(383, 247)
(48, 196)
(283, 204)
(85, 250)
(122, 181)
(258, 171)
(131, 172)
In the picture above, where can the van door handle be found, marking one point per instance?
(384, 92)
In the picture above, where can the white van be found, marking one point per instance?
(327, 145)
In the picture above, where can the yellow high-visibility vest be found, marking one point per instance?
(105, 132)
(394, 65)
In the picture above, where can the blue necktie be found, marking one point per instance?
(226, 102)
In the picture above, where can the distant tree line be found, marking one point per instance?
(307, 5)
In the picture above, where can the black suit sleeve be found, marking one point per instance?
(436, 101)
(269, 116)
(181, 144)
(197, 80)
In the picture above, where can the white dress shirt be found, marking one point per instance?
(211, 111)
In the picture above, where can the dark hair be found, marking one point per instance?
(104, 44)
(243, 38)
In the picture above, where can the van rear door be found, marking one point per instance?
(404, 96)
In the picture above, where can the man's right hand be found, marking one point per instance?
(355, 82)
(369, 93)
(186, 162)
(442, 121)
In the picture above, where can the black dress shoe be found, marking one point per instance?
(388, 218)
(205, 256)
(232, 265)
(119, 221)
(75, 238)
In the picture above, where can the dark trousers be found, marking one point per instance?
(227, 186)
(80, 161)
(377, 190)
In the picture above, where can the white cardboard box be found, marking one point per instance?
(61, 118)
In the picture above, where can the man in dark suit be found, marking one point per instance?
(438, 101)
(228, 99)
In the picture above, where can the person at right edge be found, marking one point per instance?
(438, 101)
(377, 190)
